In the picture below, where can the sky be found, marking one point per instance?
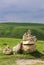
(22, 11)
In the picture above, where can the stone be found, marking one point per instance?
(7, 50)
(28, 43)
(16, 48)
(29, 48)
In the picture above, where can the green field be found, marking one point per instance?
(11, 34)
(16, 30)
(12, 42)
(10, 59)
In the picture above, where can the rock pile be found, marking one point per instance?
(7, 50)
(28, 43)
(16, 48)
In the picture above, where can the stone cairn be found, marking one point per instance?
(7, 50)
(27, 45)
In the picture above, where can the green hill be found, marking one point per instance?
(16, 30)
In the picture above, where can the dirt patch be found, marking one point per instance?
(28, 61)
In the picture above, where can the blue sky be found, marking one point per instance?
(22, 11)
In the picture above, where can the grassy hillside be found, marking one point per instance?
(16, 30)
(11, 34)
(12, 42)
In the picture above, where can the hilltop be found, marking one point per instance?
(16, 30)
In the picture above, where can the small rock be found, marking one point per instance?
(7, 50)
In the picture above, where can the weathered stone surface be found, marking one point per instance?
(7, 50)
(16, 48)
(27, 45)
(28, 48)
(29, 42)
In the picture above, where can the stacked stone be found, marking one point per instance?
(27, 45)
(29, 42)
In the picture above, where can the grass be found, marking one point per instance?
(7, 61)
(9, 41)
(12, 42)
(10, 59)
(11, 34)
(37, 63)
(16, 30)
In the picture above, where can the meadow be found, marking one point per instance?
(10, 59)
(11, 34)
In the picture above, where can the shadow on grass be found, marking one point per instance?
(34, 55)
(37, 54)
